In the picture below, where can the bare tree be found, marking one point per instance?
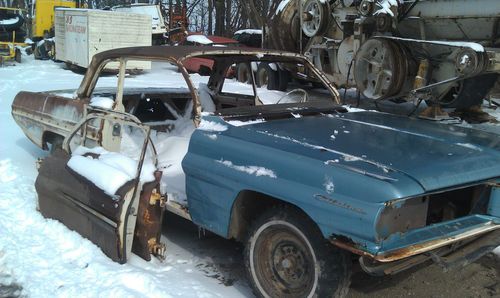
(210, 19)
(219, 16)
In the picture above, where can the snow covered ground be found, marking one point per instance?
(47, 259)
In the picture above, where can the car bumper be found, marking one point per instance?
(419, 241)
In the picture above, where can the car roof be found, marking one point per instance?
(179, 53)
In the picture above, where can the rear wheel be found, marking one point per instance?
(287, 256)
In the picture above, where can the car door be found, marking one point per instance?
(83, 190)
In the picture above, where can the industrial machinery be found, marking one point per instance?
(11, 34)
(445, 52)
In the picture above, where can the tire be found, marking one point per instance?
(4, 36)
(284, 78)
(18, 56)
(13, 26)
(470, 92)
(243, 74)
(8, 36)
(266, 76)
(287, 256)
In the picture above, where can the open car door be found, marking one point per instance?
(109, 197)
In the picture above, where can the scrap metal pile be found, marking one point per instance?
(443, 52)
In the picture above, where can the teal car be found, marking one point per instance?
(308, 186)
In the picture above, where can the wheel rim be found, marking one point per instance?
(380, 69)
(282, 261)
(263, 78)
(315, 13)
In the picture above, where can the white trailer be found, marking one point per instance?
(82, 33)
(158, 27)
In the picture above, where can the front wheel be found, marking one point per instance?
(287, 256)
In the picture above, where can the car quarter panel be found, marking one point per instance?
(37, 113)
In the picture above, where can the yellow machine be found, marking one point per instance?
(10, 49)
(43, 12)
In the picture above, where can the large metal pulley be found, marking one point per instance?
(314, 17)
(381, 68)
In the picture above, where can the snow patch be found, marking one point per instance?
(352, 109)
(243, 123)
(331, 161)
(329, 186)
(110, 170)
(249, 31)
(211, 126)
(199, 39)
(5, 174)
(68, 113)
(212, 137)
(207, 104)
(102, 102)
(497, 251)
(9, 21)
(282, 6)
(474, 46)
(252, 170)
(386, 7)
(351, 158)
(470, 146)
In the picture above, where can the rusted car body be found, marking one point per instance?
(288, 178)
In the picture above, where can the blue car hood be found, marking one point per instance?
(434, 155)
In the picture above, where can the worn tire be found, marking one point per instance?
(471, 92)
(243, 74)
(287, 256)
(266, 76)
(283, 80)
(13, 26)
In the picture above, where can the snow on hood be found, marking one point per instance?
(211, 126)
(110, 170)
(251, 170)
(391, 144)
